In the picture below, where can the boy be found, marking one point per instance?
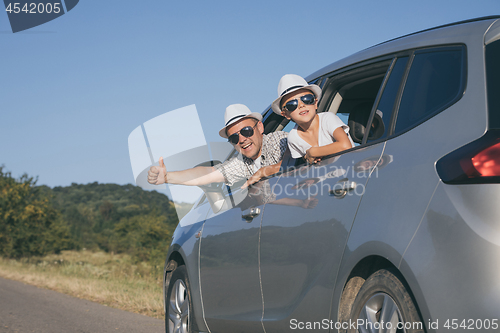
(315, 135)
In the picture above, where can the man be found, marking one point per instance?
(243, 129)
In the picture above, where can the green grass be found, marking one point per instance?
(109, 279)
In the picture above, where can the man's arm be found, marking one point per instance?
(263, 173)
(158, 175)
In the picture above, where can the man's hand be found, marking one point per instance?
(156, 174)
(263, 172)
(253, 179)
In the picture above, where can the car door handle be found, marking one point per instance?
(249, 214)
(342, 187)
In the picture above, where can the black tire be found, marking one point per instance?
(178, 304)
(384, 297)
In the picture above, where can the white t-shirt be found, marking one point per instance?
(328, 123)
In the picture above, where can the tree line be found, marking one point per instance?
(37, 220)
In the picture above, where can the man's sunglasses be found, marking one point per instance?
(245, 131)
(308, 99)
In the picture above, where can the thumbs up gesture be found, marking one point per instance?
(156, 174)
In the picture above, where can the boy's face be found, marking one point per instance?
(304, 112)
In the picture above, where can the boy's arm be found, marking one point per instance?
(342, 143)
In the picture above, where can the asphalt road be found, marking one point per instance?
(24, 308)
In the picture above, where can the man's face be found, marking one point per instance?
(250, 147)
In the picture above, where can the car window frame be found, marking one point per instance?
(397, 56)
(353, 70)
(327, 98)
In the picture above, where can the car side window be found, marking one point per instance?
(352, 95)
(435, 81)
(381, 122)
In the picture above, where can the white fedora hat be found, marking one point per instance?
(236, 112)
(290, 83)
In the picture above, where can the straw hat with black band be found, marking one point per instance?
(236, 112)
(290, 83)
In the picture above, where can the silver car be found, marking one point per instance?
(399, 234)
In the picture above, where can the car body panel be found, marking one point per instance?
(301, 248)
(493, 33)
(229, 270)
(455, 267)
(186, 245)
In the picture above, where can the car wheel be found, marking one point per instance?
(384, 304)
(178, 302)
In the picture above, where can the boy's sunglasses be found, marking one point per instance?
(294, 103)
(245, 131)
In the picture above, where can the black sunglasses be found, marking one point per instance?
(294, 103)
(245, 131)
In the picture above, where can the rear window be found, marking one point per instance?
(493, 83)
(435, 81)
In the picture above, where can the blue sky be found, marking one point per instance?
(73, 89)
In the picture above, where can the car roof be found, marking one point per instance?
(444, 34)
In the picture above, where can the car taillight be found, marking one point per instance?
(475, 163)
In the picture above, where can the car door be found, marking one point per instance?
(229, 271)
(305, 230)
(303, 235)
